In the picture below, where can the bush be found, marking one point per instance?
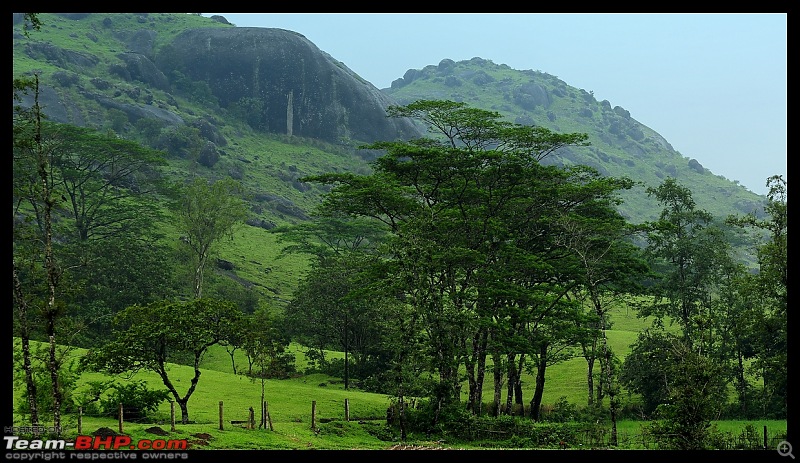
(561, 412)
(455, 423)
(137, 400)
(67, 377)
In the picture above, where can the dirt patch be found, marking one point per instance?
(157, 431)
(413, 447)
(105, 432)
(203, 436)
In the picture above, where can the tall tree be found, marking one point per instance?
(689, 251)
(461, 207)
(150, 337)
(205, 214)
(770, 287)
(695, 390)
(608, 268)
(35, 185)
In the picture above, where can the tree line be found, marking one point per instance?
(464, 249)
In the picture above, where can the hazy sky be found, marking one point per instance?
(712, 84)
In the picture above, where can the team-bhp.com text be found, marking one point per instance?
(45, 450)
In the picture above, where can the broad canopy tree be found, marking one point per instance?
(471, 214)
(150, 337)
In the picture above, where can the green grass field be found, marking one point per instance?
(290, 405)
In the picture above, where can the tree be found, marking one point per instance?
(106, 216)
(769, 291)
(265, 344)
(608, 268)
(644, 370)
(695, 391)
(738, 307)
(689, 251)
(470, 213)
(205, 214)
(34, 158)
(149, 337)
(329, 310)
(107, 181)
(112, 274)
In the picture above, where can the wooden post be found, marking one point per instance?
(172, 415)
(220, 416)
(347, 409)
(313, 415)
(120, 417)
(251, 419)
(269, 419)
(80, 420)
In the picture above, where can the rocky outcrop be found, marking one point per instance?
(302, 90)
(139, 67)
(60, 57)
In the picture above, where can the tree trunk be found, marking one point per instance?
(518, 386)
(590, 379)
(742, 383)
(346, 353)
(610, 378)
(512, 381)
(57, 395)
(498, 383)
(184, 410)
(198, 277)
(233, 360)
(51, 311)
(470, 364)
(24, 329)
(263, 422)
(536, 401)
(481, 373)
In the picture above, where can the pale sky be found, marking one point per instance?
(712, 84)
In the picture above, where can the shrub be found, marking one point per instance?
(67, 377)
(137, 400)
(561, 412)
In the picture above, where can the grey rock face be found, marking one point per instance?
(303, 90)
(140, 68)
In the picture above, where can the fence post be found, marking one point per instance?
(266, 411)
(172, 415)
(251, 419)
(347, 409)
(120, 417)
(220, 416)
(80, 420)
(313, 415)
